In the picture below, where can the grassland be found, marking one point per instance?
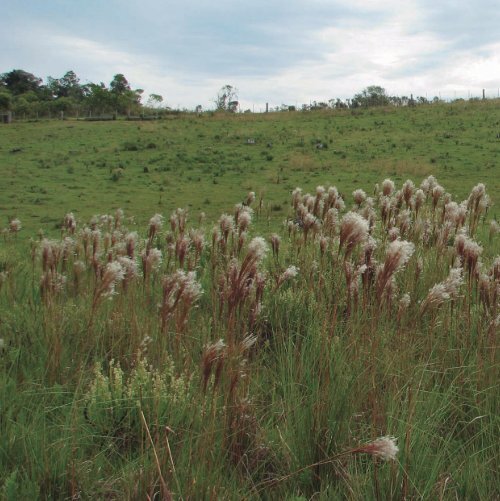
(206, 164)
(234, 357)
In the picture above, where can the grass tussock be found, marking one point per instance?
(351, 355)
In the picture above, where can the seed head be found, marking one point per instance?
(258, 247)
(244, 218)
(437, 192)
(296, 197)
(419, 199)
(399, 253)
(408, 189)
(387, 187)
(291, 272)
(129, 266)
(428, 184)
(250, 198)
(385, 448)
(70, 222)
(359, 196)
(155, 224)
(113, 274)
(443, 291)
(14, 225)
(226, 224)
(353, 230)
(152, 259)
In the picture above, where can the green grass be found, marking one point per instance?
(205, 164)
(133, 396)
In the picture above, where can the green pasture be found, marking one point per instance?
(209, 162)
(184, 363)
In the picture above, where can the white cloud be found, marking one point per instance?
(317, 50)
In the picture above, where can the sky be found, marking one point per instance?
(277, 52)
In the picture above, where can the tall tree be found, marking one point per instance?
(67, 86)
(20, 81)
(119, 85)
(99, 98)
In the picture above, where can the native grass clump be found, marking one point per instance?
(351, 355)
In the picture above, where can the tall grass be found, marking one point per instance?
(184, 362)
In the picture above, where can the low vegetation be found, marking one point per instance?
(346, 353)
(203, 163)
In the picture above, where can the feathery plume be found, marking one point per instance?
(155, 225)
(69, 223)
(258, 248)
(353, 230)
(384, 448)
(443, 291)
(359, 196)
(387, 187)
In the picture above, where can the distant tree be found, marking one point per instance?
(67, 86)
(99, 98)
(66, 104)
(318, 105)
(339, 104)
(20, 81)
(154, 100)
(124, 98)
(119, 85)
(226, 99)
(373, 95)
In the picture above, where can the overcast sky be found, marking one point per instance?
(291, 52)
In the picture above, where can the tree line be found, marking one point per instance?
(23, 93)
